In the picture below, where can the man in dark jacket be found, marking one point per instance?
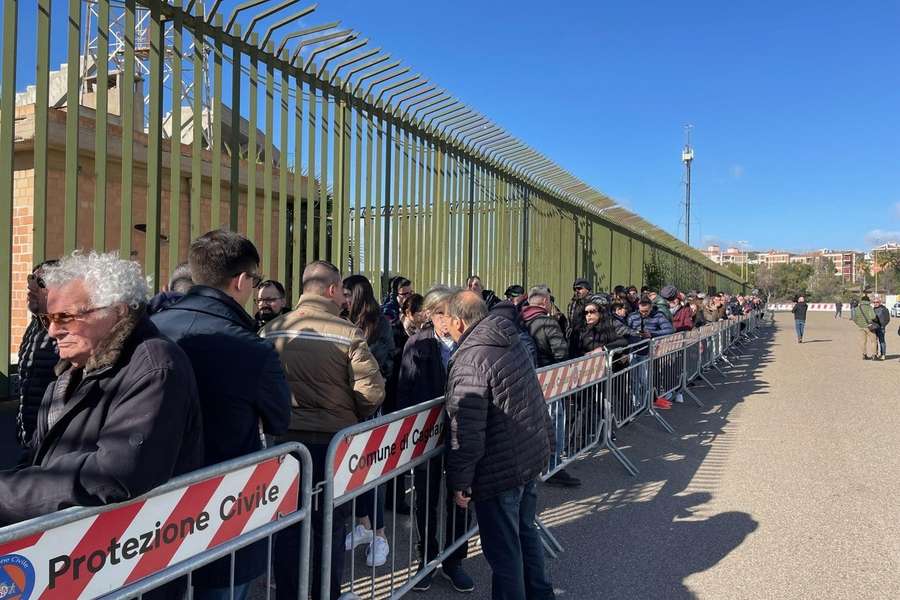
(581, 289)
(551, 347)
(549, 339)
(649, 322)
(122, 417)
(500, 440)
(271, 301)
(799, 310)
(243, 391)
(37, 358)
(511, 311)
(882, 318)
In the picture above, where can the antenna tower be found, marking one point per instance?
(687, 157)
(191, 82)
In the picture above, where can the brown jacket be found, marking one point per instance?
(334, 379)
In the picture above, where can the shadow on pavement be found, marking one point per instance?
(643, 537)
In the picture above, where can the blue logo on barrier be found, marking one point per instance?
(16, 577)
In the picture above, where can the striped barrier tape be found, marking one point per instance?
(816, 306)
(95, 555)
(561, 379)
(364, 457)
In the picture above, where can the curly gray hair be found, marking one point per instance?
(108, 278)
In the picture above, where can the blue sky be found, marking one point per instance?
(795, 105)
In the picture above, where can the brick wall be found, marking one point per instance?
(23, 205)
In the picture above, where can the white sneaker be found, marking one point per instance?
(679, 398)
(360, 535)
(377, 552)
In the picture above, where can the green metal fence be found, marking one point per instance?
(177, 120)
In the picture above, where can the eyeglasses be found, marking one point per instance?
(403, 294)
(34, 278)
(64, 318)
(269, 300)
(591, 312)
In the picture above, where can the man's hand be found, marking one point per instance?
(462, 499)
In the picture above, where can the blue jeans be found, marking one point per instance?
(882, 346)
(241, 592)
(512, 545)
(799, 325)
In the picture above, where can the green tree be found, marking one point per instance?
(823, 285)
(764, 280)
(791, 279)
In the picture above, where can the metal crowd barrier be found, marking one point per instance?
(404, 453)
(126, 550)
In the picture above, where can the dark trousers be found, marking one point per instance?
(287, 542)
(882, 346)
(512, 545)
(429, 504)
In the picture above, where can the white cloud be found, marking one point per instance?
(737, 171)
(880, 236)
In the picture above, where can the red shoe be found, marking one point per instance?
(662, 403)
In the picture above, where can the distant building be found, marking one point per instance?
(846, 262)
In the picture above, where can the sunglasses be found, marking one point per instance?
(591, 312)
(40, 282)
(64, 318)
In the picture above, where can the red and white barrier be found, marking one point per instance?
(367, 456)
(106, 551)
(815, 306)
(562, 379)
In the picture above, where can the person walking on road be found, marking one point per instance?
(838, 309)
(799, 311)
(865, 319)
(854, 303)
(500, 440)
(882, 318)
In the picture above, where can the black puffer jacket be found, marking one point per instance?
(500, 432)
(548, 337)
(601, 335)
(37, 358)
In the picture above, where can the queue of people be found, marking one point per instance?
(214, 382)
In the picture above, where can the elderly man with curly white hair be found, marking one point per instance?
(123, 416)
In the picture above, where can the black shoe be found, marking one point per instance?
(564, 479)
(866, 357)
(424, 584)
(459, 579)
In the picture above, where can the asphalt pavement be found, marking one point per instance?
(785, 486)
